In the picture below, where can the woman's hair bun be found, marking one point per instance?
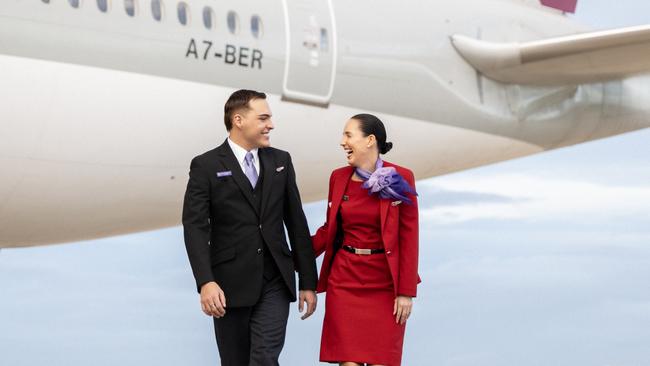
(387, 147)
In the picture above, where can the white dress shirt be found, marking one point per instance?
(240, 154)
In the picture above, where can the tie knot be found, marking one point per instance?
(249, 157)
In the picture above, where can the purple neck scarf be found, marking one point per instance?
(386, 181)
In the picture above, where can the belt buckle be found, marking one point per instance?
(362, 251)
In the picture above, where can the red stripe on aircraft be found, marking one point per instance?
(564, 5)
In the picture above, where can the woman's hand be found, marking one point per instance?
(402, 309)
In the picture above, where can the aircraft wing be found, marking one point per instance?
(576, 59)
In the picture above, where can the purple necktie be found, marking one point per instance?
(249, 170)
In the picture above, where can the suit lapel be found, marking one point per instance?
(268, 170)
(337, 192)
(231, 163)
(384, 205)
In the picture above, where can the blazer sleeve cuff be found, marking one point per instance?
(410, 292)
(304, 285)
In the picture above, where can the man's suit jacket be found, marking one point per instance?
(224, 228)
(399, 231)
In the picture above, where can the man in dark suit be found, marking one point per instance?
(238, 197)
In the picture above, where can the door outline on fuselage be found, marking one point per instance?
(305, 96)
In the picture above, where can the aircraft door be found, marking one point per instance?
(310, 64)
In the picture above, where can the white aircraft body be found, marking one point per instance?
(103, 103)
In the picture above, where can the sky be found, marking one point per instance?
(543, 260)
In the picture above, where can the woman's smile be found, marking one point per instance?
(348, 152)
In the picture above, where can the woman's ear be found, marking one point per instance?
(372, 140)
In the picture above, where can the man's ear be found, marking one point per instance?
(237, 120)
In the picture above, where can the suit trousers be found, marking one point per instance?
(254, 335)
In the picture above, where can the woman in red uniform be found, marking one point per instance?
(370, 241)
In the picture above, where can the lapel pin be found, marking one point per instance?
(279, 169)
(329, 204)
(395, 203)
(346, 198)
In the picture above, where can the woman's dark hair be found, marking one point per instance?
(371, 125)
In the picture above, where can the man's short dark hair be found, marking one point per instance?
(239, 100)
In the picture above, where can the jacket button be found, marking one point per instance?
(260, 226)
(259, 250)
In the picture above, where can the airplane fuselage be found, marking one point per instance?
(101, 112)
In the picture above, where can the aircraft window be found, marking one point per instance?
(183, 13)
(208, 17)
(233, 22)
(102, 5)
(157, 9)
(74, 3)
(256, 26)
(324, 40)
(129, 6)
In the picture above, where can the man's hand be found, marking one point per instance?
(309, 297)
(213, 300)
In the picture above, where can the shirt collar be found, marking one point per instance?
(240, 152)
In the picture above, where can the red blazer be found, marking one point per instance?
(399, 231)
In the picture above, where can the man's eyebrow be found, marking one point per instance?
(264, 115)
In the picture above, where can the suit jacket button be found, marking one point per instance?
(260, 226)
(259, 250)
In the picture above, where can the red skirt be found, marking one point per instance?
(359, 324)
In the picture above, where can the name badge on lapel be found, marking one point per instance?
(226, 173)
